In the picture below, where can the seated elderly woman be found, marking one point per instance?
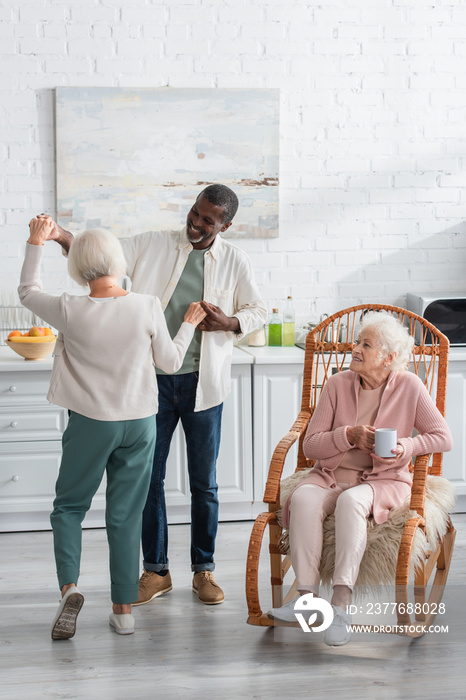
(103, 373)
(348, 479)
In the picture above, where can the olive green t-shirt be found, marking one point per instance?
(190, 288)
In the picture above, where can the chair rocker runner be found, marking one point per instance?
(423, 527)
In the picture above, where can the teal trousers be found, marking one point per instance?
(125, 450)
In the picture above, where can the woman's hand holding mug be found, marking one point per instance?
(386, 449)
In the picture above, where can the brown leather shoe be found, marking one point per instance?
(207, 590)
(151, 585)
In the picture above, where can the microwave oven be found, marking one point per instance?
(447, 312)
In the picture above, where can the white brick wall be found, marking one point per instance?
(373, 145)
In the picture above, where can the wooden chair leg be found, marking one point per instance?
(256, 617)
(276, 575)
(427, 601)
(420, 589)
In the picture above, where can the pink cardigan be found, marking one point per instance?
(405, 404)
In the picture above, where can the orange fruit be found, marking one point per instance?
(48, 331)
(13, 334)
(36, 330)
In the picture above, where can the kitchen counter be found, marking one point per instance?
(11, 362)
(266, 355)
(274, 355)
(242, 355)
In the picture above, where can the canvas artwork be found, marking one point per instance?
(134, 160)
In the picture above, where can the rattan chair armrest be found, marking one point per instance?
(272, 487)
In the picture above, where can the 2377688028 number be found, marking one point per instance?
(402, 608)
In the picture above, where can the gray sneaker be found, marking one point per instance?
(122, 624)
(339, 632)
(64, 623)
(286, 612)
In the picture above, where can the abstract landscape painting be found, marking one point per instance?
(134, 160)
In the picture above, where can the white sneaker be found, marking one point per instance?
(339, 633)
(64, 622)
(122, 624)
(286, 612)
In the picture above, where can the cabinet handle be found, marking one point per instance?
(15, 478)
(12, 389)
(13, 424)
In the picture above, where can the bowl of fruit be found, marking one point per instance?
(35, 344)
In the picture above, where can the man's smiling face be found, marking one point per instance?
(203, 222)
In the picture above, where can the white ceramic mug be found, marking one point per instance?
(385, 442)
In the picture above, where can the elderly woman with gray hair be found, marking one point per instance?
(348, 479)
(103, 373)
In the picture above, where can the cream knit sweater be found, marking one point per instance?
(105, 352)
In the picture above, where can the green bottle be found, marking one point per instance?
(288, 323)
(275, 329)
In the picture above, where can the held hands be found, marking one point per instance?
(216, 320)
(54, 228)
(54, 232)
(40, 229)
(195, 313)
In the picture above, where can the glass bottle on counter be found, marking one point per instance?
(275, 329)
(288, 323)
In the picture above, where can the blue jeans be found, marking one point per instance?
(177, 395)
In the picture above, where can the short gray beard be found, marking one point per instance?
(195, 240)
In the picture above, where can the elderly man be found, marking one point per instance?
(181, 267)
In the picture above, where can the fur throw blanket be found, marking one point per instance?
(378, 564)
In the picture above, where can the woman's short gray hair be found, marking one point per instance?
(392, 336)
(95, 253)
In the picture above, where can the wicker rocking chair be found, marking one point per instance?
(423, 550)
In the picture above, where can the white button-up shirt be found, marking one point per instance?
(155, 261)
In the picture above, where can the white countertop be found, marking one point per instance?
(242, 355)
(274, 356)
(291, 355)
(11, 362)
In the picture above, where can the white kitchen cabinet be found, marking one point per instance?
(30, 450)
(25, 424)
(277, 388)
(28, 471)
(30, 443)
